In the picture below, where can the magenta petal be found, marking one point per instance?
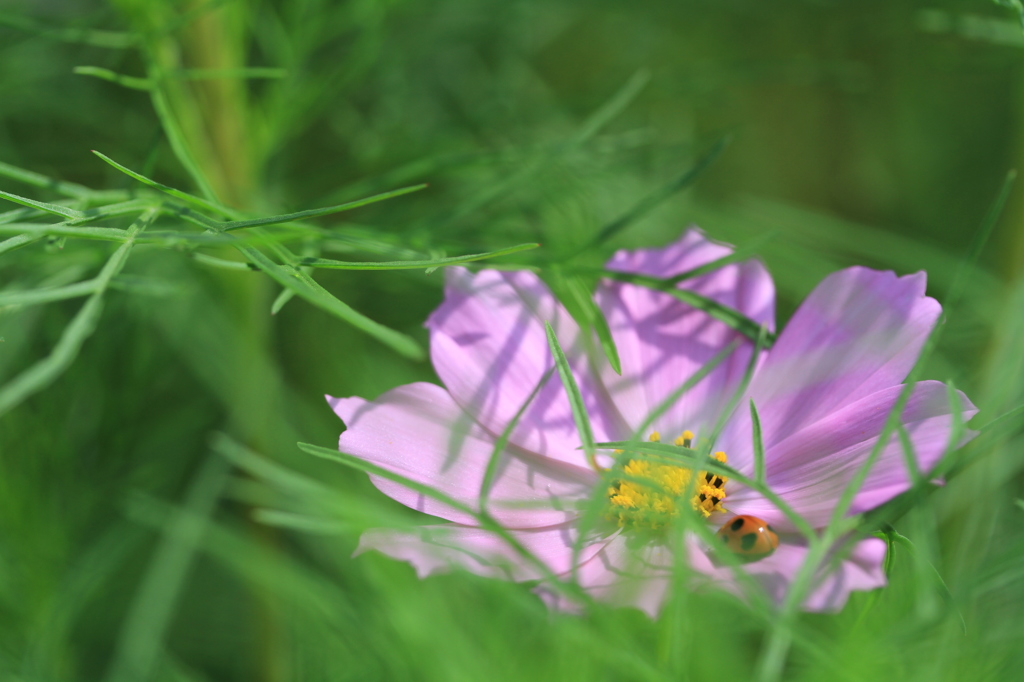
(489, 346)
(860, 331)
(417, 431)
(810, 468)
(439, 548)
(663, 341)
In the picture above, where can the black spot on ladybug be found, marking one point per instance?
(748, 541)
(736, 525)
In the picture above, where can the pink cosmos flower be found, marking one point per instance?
(823, 392)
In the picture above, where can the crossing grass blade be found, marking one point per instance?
(44, 372)
(572, 390)
(28, 177)
(329, 264)
(730, 316)
(576, 296)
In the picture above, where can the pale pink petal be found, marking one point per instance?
(621, 575)
(440, 548)
(662, 341)
(489, 346)
(417, 431)
(860, 570)
(860, 331)
(811, 468)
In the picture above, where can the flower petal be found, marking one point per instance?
(860, 331)
(489, 346)
(860, 570)
(811, 468)
(417, 431)
(621, 575)
(440, 548)
(662, 341)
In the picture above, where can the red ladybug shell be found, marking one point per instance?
(749, 537)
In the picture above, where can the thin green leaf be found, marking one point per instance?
(730, 316)
(241, 73)
(759, 464)
(290, 278)
(28, 177)
(56, 209)
(576, 296)
(86, 36)
(176, 137)
(742, 253)
(36, 231)
(502, 442)
(579, 409)
(130, 82)
(140, 642)
(18, 241)
(412, 264)
(311, 291)
(37, 296)
(734, 399)
(317, 212)
(657, 197)
(223, 263)
(988, 223)
(44, 372)
(198, 202)
(279, 302)
(611, 109)
(690, 382)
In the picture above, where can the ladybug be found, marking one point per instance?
(749, 537)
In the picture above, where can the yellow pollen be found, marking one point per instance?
(649, 493)
(685, 439)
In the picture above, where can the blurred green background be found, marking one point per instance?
(136, 544)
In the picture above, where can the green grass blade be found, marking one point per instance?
(576, 296)
(198, 202)
(36, 231)
(18, 241)
(44, 372)
(140, 643)
(499, 445)
(37, 296)
(572, 390)
(56, 209)
(130, 82)
(655, 198)
(176, 138)
(988, 224)
(413, 264)
(317, 212)
(87, 36)
(241, 73)
(759, 463)
(311, 291)
(730, 316)
(28, 177)
(611, 109)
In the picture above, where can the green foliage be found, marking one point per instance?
(169, 321)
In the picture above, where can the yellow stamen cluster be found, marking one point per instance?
(649, 493)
